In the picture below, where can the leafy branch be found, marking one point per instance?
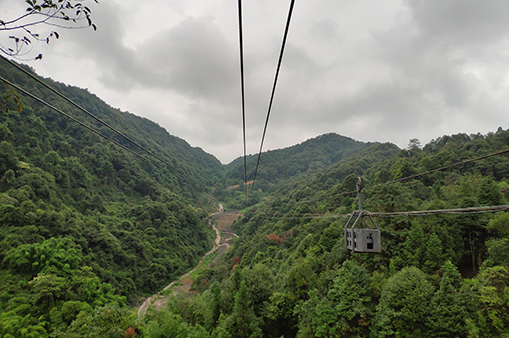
(11, 95)
(65, 14)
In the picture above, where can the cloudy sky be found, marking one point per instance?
(384, 71)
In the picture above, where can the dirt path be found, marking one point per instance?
(224, 220)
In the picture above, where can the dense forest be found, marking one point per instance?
(87, 230)
(83, 223)
(313, 155)
(309, 156)
(443, 275)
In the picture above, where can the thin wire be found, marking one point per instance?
(241, 43)
(274, 88)
(100, 121)
(89, 128)
(441, 168)
(409, 177)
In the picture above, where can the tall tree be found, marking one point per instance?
(345, 309)
(447, 311)
(243, 322)
(404, 305)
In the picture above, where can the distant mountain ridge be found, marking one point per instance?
(312, 155)
(315, 154)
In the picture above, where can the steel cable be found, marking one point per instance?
(274, 88)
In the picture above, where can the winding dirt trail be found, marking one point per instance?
(224, 220)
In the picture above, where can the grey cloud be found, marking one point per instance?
(371, 71)
(440, 48)
(325, 29)
(432, 70)
(193, 58)
(119, 65)
(464, 22)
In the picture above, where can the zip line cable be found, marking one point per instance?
(274, 88)
(241, 44)
(93, 130)
(410, 177)
(99, 120)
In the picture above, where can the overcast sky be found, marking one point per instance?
(384, 71)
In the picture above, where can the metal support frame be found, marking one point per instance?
(362, 239)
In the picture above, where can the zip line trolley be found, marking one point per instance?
(365, 239)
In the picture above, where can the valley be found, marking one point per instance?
(89, 231)
(221, 244)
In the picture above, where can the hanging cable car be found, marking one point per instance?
(362, 239)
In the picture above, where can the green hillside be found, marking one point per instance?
(83, 223)
(323, 154)
(192, 161)
(314, 154)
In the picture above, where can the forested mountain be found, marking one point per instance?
(83, 223)
(312, 155)
(190, 160)
(328, 155)
(86, 229)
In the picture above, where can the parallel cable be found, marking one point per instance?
(92, 130)
(274, 87)
(180, 172)
(457, 211)
(398, 180)
(409, 177)
(241, 43)
(440, 169)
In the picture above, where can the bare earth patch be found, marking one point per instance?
(159, 303)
